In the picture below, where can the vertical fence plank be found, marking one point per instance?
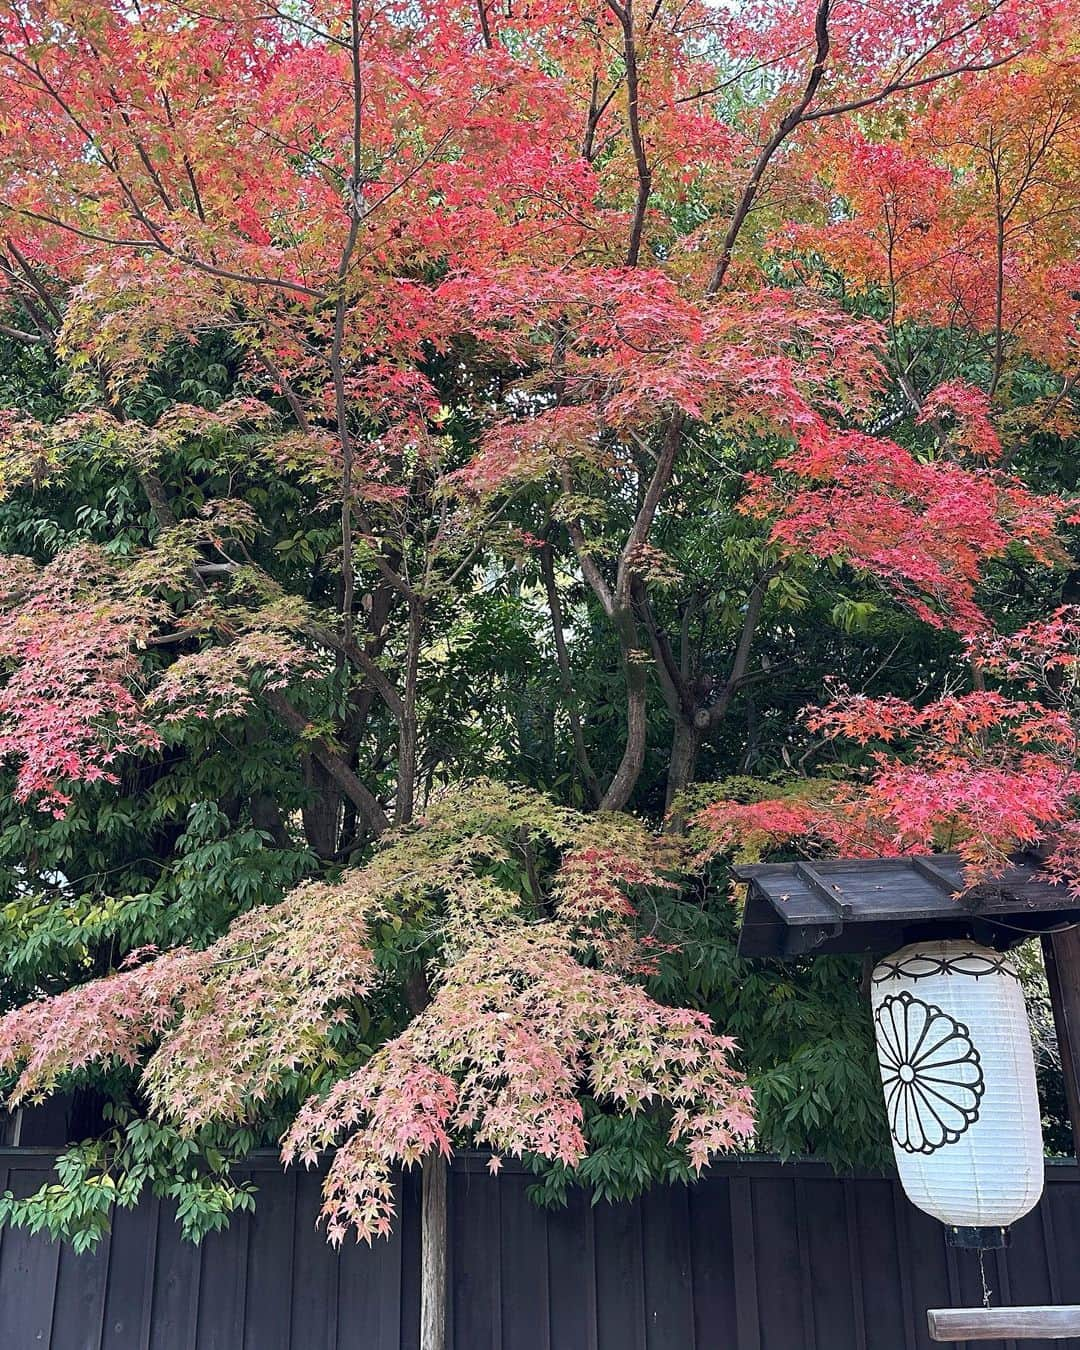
(177, 1270)
(28, 1275)
(713, 1256)
(901, 1210)
(876, 1237)
(743, 1241)
(223, 1287)
(775, 1254)
(270, 1274)
(669, 1281)
(78, 1319)
(829, 1305)
(475, 1232)
(572, 1274)
(130, 1276)
(368, 1296)
(523, 1286)
(316, 1270)
(620, 1291)
(806, 1269)
(858, 1303)
(925, 1241)
(408, 1272)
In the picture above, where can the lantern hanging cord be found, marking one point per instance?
(982, 1275)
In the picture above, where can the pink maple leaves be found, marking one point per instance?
(517, 1029)
(67, 707)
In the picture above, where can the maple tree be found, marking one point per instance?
(403, 396)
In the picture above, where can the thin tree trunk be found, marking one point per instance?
(682, 767)
(433, 1249)
(633, 757)
(566, 679)
(434, 1281)
(408, 724)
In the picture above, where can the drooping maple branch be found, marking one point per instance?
(156, 241)
(31, 278)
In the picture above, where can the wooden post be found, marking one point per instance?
(433, 1240)
(1039, 1323)
(1061, 956)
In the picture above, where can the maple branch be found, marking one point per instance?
(407, 178)
(625, 16)
(787, 125)
(485, 27)
(337, 770)
(188, 168)
(672, 681)
(155, 241)
(409, 730)
(595, 113)
(741, 658)
(735, 79)
(643, 522)
(635, 674)
(905, 86)
(20, 335)
(586, 562)
(31, 279)
(353, 652)
(288, 392)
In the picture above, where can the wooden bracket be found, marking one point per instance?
(1037, 1323)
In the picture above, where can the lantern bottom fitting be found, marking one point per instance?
(983, 1239)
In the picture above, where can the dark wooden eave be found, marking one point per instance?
(875, 905)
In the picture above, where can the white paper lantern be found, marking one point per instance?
(957, 1067)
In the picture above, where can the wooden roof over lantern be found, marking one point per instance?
(871, 905)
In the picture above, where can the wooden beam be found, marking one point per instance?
(1038, 1323)
(1061, 956)
(828, 891)
(969, 900)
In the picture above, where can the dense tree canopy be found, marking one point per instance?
(448, 451)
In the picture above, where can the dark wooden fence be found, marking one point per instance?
(755, 1257)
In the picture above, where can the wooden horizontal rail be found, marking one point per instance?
(1036, 1323)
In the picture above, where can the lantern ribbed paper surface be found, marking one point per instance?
(958, 1073)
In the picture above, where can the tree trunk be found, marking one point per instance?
(633, 757)
(408, 721)
(682, 766)
(320, 813)
(433, 1246)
